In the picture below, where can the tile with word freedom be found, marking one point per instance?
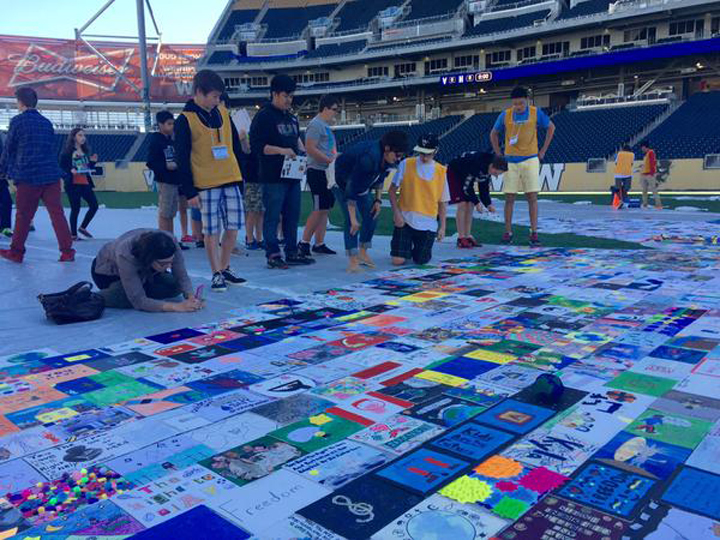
(257, 505)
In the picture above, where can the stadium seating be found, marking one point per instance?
(582, 135)
(421, 9)
(337, 49)
(291, 21)
(108, 147)
(357, 14)
(504, 24)
(471, 135)
(346, 137)
(111, 147)
(691, 131)
(414, 131)
(221, 58)
(583, 9)
(142, 151)
(237, 17)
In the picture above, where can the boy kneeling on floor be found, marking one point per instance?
(420, 211)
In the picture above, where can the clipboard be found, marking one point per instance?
(294, 168)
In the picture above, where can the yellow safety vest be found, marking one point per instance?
(526, 133)
(209, 172)
(420, 195)
(624, 163)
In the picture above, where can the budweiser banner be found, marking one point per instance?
(70, 70)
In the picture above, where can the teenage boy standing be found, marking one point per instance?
(321, 151)
(275, 136)
(208, 152)
(30, 160)
(253, 198)
(520, 123)
(161, 161)
(420, 211)
(648, 176)
(623, 173)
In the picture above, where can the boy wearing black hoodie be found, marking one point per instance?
(208, 152)
(161, 161)
(275, 136)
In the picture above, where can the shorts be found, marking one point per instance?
(623, 183)
(455, 187)
(522, 177)
(254, 198)
(408, 243)
(323, 199)
(195, 214)
(221, 207)
(168, 200)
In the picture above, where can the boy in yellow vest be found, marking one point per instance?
(520, 124)
(208, 150)
(623, 173)
(420, 211)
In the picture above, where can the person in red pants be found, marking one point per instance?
(29, 159)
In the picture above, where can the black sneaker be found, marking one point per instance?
(218, 283)
(323, 250)
(276, 263)
(304, 249)
(299, 260)
(200, 244)
(184, 247)
(231, 277)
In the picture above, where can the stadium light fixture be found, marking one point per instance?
(142, 40)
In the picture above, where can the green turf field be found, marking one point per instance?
(136, 200)
(487, 232)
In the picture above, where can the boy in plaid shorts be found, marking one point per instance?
(208, 151)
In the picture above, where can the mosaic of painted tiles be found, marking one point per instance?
(399, 408)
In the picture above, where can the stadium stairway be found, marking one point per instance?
(647, 130)
(692, 131)
(597, 133)
(139, 148)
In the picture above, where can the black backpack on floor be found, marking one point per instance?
(77, 304)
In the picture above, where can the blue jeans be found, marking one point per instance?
(281, 199)
(367, 222)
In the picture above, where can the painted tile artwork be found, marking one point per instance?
(401, 408)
